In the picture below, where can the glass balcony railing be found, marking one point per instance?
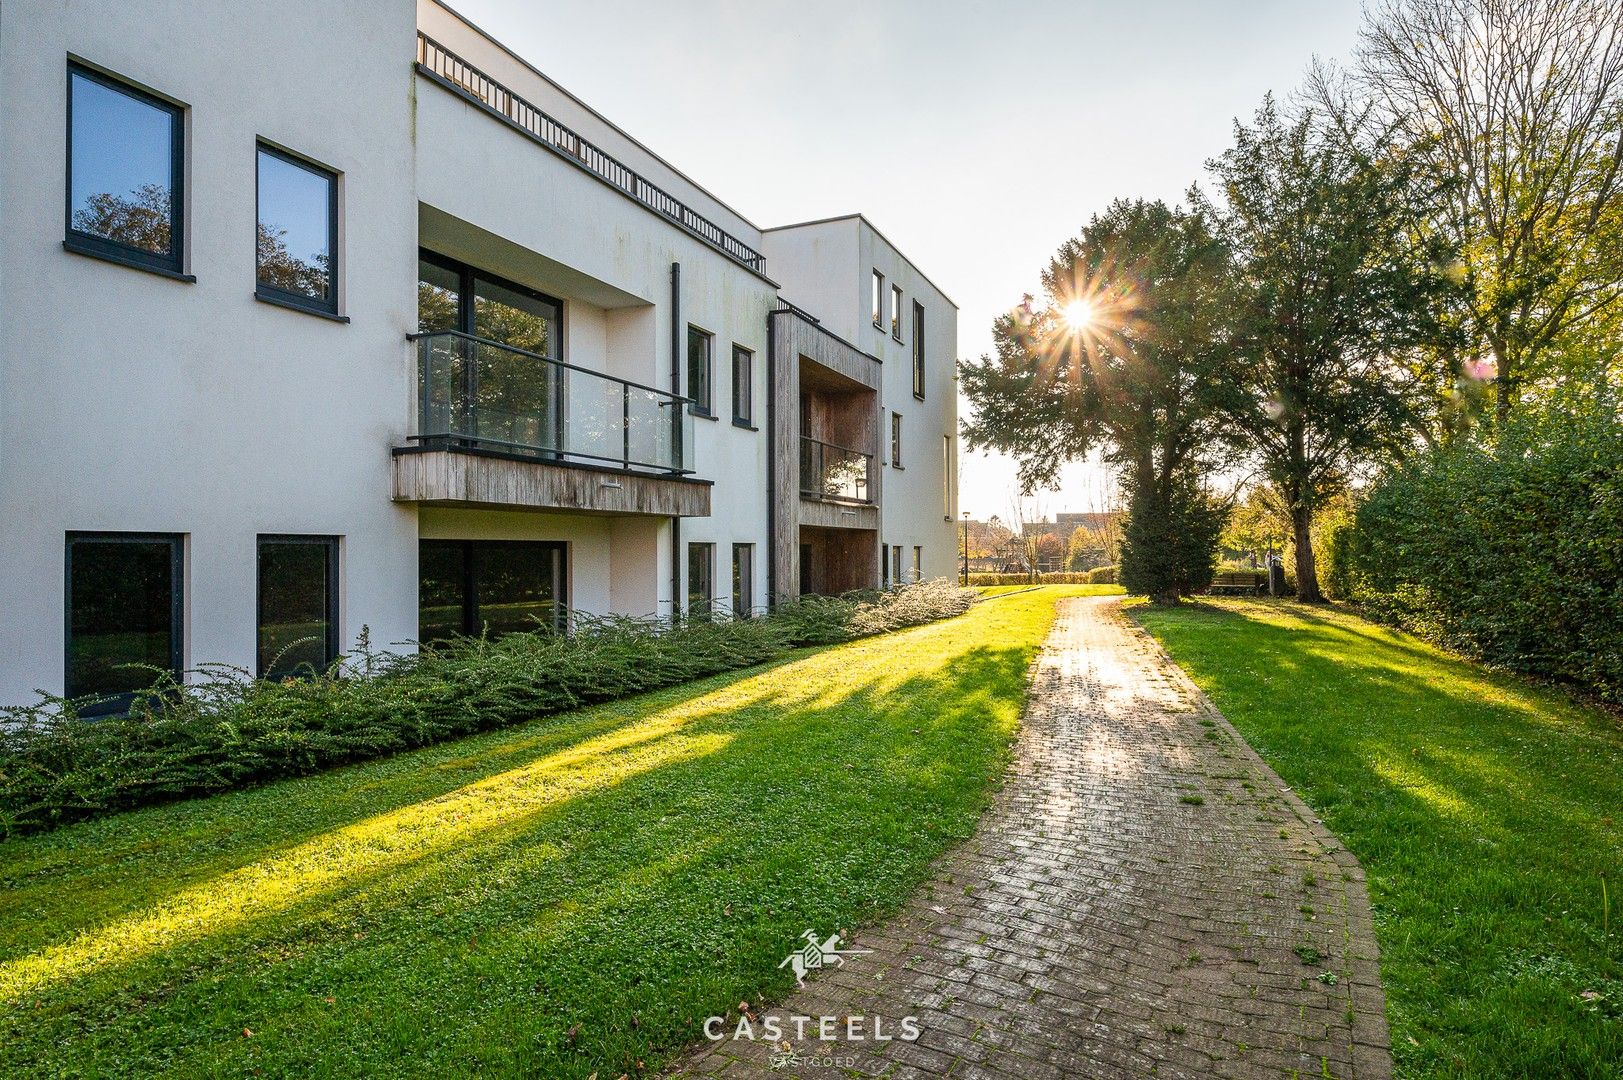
(479, 394)
(834, 472)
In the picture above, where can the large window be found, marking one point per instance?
(497, 397)
(123, 614)
(743, 386)
(491, 587)
(701, 371)
(918, 563)
(896, 439)
(946, 477)
(918, 350)
(878, 299)
(298, 604)
(896, 312)
(743, 580)
(454, 296)
(297, 239)
(896, 565)
(125, 171)
(701, 580)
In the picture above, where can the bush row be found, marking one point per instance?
(1100, 575)
(1510, 551)
(221, 730)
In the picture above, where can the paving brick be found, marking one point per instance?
(1113, 930)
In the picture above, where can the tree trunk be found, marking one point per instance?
(1307, 572)
(1504, 383)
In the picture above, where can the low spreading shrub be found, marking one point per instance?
(220, 729)
(1510, 551)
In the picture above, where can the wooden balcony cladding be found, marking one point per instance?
(461, 478)
(833, 515)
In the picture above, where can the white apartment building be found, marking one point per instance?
(318, 317)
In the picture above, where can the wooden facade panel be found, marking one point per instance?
(448, 478)
(794, 338)
(833, 515)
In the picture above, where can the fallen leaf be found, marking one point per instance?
(569, 1036)
(247, 1033)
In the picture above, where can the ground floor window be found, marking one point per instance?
(298, 604)
(743, 580)
(490, 587)
(896, 564)
(918, 563)
(701, 579)
(123, 614)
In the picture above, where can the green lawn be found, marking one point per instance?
(569, 896)
(1486, 812)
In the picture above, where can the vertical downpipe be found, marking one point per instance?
(771, 461)
(676, 388)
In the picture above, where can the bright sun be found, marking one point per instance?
(1078, 314)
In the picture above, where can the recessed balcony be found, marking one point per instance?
(498, 426)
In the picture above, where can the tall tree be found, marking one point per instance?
(1516, 108)
(1332, 286)
(1125, 354)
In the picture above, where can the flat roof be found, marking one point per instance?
(858, 215)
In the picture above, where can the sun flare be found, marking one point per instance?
(1079, 314)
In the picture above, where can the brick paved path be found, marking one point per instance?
(1145, 899)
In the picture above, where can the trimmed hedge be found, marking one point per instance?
(1051, 577)
(1511, 553)
(223, 730)
(1103, 575)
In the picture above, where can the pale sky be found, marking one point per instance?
(978, 137)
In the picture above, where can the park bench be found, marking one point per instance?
(1239, 583)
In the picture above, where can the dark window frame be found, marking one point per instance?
(468, 579)
(701, 404)
(171, 264)
(467, 276)
(747, 609)
(120, 703)
(709, 596)
(878, 300)
(918, 350)
(331, 646)
(284, 297)
(746, 418)
(896, 297)
(896, 440)
(918, 562)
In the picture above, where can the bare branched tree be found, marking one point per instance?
(1517, 107)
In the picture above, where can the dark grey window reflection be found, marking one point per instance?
(298, 605)
(298, 231)
(124, 171)
(123, 614)
(491, 587)
(439, 297)
(701, 580)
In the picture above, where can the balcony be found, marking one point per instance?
(502, 427)
(440, 65)
(834, 473)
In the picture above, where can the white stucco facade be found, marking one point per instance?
(139, 402)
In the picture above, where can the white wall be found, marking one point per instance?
(826, 267)
(130, 401)
(134, 402)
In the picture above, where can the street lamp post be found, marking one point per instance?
(966, 548)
